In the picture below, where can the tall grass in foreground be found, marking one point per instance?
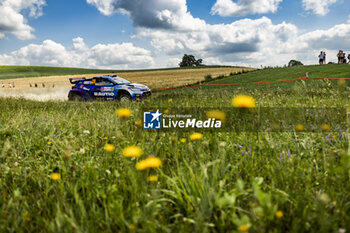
(56, 174)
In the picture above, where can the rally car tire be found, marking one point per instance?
(76, 98)
(124, 98)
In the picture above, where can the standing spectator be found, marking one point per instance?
(324, 57)
(349, 58)
(10, 85)
(321, 56)
(30, 85)
(341, 57)
(344, 58)
(43, 84)
(35, 85)
(3, 85)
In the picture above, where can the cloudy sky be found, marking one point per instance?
(129, 34)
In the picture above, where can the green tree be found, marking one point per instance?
(295, 63)
(189, 61)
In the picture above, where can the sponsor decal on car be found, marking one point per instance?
(107, 88)
(110, 94)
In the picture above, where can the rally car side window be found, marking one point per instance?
(88, 82)
(102, 82)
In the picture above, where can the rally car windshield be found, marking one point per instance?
(120, 80)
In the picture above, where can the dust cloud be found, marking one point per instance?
(37, 94)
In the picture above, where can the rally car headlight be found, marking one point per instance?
(135, 90)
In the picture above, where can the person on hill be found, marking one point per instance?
(324, 57)
(341, 57)
(349, 58)
(321, 58)
(338, 55)
(3, 85)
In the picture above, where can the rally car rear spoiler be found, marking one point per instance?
(75, 80)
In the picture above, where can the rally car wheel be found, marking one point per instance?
(124, 98)
(77, 98)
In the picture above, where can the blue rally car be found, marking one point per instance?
(109, 87)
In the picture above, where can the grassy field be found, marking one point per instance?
(56, 175)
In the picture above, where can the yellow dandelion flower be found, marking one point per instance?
(325, 127)
(123, 112)
(170, 100)
(299, 127)
(109, 147)
(216, 114)
(131, 227)
(152, 178)
(49, 143)
(105, 138)
(150, 162)
(279, 214)
(166, 111)
(138, 122)
(55, 176)
(243, 101)
(196, 136)
(243, 228)
(341, 83)
(183, 140)
(132, 151)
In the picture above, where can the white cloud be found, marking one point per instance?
(173, 31)
(122, 55)
(79, 44)
(226, 42)
(244, 7)
(162, 14)
(173, 62)
(251, 42)
(318, 7)
(50, 53)
(334, 38)
(13, 21)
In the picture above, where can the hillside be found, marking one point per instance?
(332, 70)
(272, 74)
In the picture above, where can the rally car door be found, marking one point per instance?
(104, 89)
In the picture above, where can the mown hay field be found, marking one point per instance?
(151, 78)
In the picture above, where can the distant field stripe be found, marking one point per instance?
(238, 84)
